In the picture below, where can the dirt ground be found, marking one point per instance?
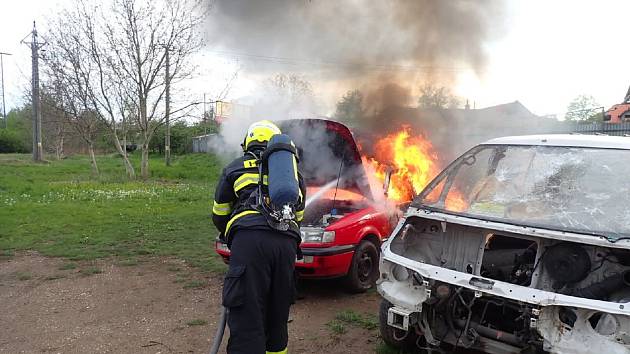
(154, 306)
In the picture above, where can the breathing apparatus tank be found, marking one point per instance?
(280, 161)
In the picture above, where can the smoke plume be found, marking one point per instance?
(386, 48)
(358, 37)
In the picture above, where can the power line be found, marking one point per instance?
(349, 65)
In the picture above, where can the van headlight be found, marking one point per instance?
(317, 236)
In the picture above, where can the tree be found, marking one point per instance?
(72, 104)
(433, 97)
(181, 137)
(287, 94)
(283, 96)
(20, 128)
(350, 107)
(290, 85)
(583, 108)
(54, 120)
(115, 53)
(10, 142)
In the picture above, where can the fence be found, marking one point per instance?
(208, 143)
(617, 129)
(201, 143)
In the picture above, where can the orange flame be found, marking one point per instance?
(411, 159)
(455, 201)
(413, 163)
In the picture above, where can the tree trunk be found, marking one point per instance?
(93, 157)
(131, 173)
(124, 128)
(144, 165)
(60, 150)
(145, 127)
(59, 147)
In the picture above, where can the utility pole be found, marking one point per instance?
(213, 112)
(37, 114)
(4, 106)
(203, 117)
(167, 137)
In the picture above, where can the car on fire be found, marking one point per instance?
(344, 225)
(521, 245)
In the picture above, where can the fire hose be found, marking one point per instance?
(218, 337)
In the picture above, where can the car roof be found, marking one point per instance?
(573, 140)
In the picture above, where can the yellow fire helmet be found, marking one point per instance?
(259, 133)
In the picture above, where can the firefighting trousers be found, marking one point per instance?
(258, 290)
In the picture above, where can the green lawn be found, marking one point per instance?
(59, 209)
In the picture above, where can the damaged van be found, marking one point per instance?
(521, 245)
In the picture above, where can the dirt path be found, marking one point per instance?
(155, 306)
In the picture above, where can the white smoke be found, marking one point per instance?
(274, 99)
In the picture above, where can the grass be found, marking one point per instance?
(383, 348)
(194, 284)
(90, 271)
(369, 322)
(179, 280)
(337, 327)
(55, 277)
(7, 254)
(58, 209)
(197, 322)
(23, 276)
(128, 262)
(68, 266)
(343, 319)
(366, 321)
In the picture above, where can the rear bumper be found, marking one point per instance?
(318, 262)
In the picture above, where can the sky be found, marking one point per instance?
(547, 53)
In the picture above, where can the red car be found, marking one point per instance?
(343, 225)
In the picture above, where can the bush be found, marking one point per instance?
(10, 142)
(181, 136)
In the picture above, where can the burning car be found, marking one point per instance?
(521, 245)
(343, 226)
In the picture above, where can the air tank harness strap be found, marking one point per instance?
(278, 147)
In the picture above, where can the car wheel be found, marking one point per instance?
(364, 267)
(397, 338)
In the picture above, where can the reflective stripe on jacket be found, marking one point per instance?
(236, 194)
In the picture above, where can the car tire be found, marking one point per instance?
(364, 268)
(394, 337)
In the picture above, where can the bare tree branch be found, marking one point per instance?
(112, 54)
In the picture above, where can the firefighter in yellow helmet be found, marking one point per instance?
(259, 286)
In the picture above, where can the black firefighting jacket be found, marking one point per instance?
(235, 199)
